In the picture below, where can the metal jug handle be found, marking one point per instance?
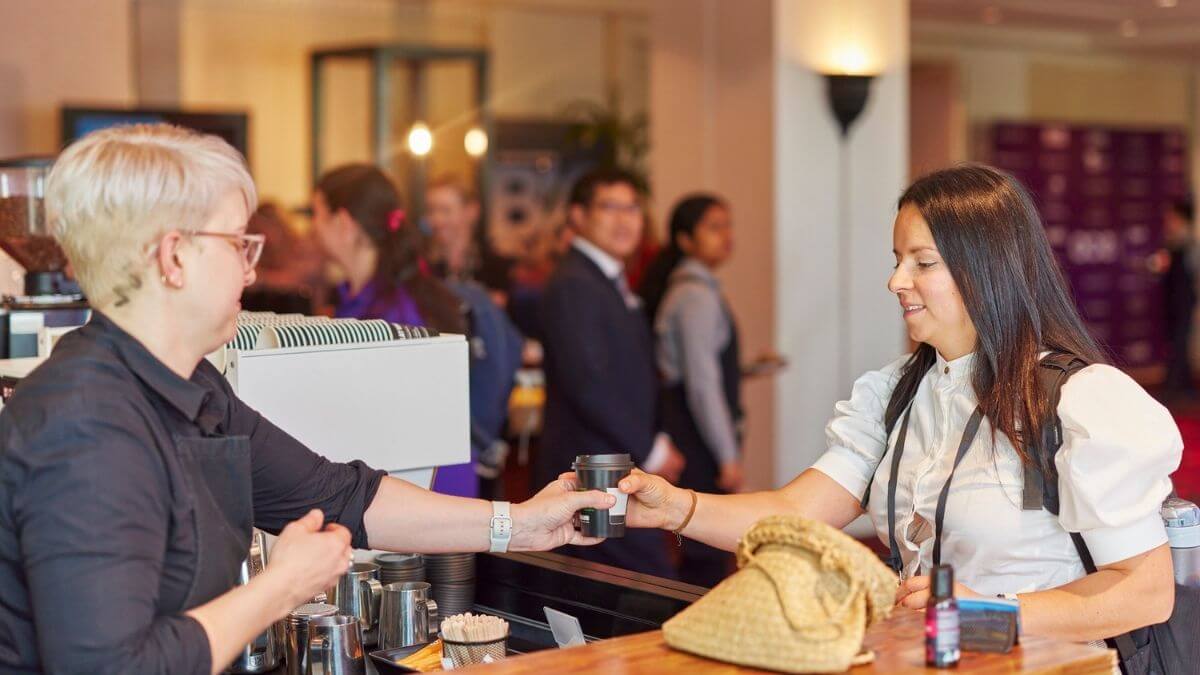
(372, 595)
(320, 656)
(431, 606)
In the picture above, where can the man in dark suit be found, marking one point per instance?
(1179, 296)
(601, 383)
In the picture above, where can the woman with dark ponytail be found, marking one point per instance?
(698, 357)
(360, 223)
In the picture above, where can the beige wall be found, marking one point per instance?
(1022, 83)
(834, 315)
(738, 107)
(253, 55)
(1133, 93)
(37, 74)
(937, 121)
(711, 89)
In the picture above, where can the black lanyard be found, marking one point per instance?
(968, 438)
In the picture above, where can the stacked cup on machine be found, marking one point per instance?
(400, 567)
(453, 578)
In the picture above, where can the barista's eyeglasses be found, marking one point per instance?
(250, 245)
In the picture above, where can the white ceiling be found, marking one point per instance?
(1135, 26)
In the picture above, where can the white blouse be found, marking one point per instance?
(1119, 448)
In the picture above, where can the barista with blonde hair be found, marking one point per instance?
(131, 473)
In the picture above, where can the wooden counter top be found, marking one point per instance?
(899, 646)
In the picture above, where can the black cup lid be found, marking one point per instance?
(942, 582)
(602, 461)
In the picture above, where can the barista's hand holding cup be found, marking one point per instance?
(603, 473)
(309, 559)
(652, 502)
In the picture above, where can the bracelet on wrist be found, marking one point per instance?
(678, 532)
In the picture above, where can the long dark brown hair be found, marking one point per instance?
(371, 199)
(991, 237)
(686, 215)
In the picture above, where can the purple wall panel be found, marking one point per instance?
(1102, 193)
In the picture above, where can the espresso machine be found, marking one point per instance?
(50, 299)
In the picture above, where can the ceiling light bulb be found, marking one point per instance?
(476, 142)
(420, 139)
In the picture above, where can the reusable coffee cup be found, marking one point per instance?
(603, 472)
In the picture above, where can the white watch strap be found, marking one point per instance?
(500, 532)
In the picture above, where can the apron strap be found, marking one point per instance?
(894, 559)
(968, 438)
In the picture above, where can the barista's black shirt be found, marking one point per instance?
(96, 556)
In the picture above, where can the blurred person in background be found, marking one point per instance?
(359, 222)
(1178, 266)
(290, 275)
(699, 361)
(638, 264)
(601, 382)
(452, 211)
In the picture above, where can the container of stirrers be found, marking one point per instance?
(469, 639)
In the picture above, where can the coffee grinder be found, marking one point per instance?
(50, 299)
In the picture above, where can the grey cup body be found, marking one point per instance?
(602, 472)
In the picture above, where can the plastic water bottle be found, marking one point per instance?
(1182, 520)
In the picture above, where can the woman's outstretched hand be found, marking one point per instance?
(653, 503)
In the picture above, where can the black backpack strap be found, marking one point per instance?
(1124, 643)
(1053, 372)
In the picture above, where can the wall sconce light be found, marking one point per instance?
(848, 90)
(420, 139)
(848, 79)
(848, 97)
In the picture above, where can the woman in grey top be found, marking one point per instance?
(698, 358)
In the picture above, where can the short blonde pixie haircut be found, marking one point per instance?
(112, 194)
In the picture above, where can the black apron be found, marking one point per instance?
(703, 565)
(217, 474)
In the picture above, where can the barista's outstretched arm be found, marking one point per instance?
(719, 520)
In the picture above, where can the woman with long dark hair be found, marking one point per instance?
(360, 223)
(699, 360)
(980, 292)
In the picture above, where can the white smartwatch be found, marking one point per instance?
(501, 527)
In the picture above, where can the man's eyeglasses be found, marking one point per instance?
(250, 245)
(618, 207)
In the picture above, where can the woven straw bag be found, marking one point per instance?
(801, 601)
